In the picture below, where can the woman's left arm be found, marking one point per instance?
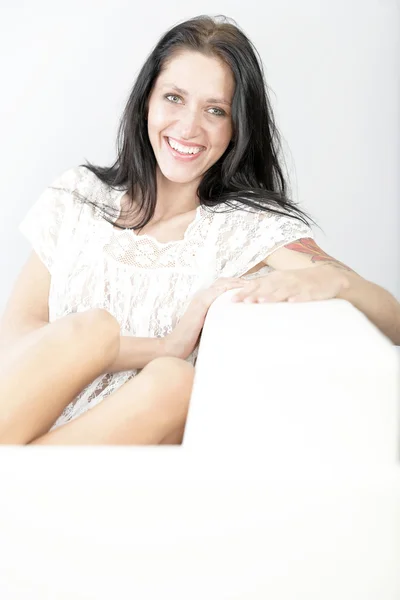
(304, 272)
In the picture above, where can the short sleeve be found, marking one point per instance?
(245, 238)
(42, 224)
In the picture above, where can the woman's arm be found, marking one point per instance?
(137, 352)
(26, 318)
(381, 308)
(378, 305)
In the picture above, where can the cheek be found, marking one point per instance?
(222, 136)
(158, 118)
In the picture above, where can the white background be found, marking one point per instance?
(133, 523)
(333, 71)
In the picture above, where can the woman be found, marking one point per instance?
(101, 332)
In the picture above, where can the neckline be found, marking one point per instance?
(119, 231)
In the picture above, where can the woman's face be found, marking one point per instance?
(190, 107)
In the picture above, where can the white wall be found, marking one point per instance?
(333, 71)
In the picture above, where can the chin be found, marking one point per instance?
(182, 180)
(175, 177)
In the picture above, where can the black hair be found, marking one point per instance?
(249, 171)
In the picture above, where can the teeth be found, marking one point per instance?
(184, 149)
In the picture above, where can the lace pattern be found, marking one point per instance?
(147, 285)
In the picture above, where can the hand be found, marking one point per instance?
(183, 339)
(296, 285)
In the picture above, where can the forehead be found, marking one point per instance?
(197, 73)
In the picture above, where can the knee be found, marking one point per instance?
(173, 378)
(95, 329)
(175, 370)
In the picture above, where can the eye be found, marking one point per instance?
(171, 96)
(220, 113)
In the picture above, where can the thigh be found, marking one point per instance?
(149, 409)
(48, 369)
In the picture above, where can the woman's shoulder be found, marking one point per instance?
(79, 188)
(246, 236)
(237, 217)
(68, 179)
(78, 179)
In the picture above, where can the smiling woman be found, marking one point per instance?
(197, 89)
(100, 336)
(188, 128)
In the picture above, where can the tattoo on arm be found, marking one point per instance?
(308, 246)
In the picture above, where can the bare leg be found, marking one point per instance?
(175, 437)
(49, 367)
(150, 408)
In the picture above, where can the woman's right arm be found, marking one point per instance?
(182, 340)
(26, 317)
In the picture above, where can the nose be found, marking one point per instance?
(189, 124)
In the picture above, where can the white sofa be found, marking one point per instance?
(305, 383)
(287, 485)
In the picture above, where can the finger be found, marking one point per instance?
(279, 295)
(230, 286)
(229, 280)
(303, 297)
(247, 298)
(250, 300)
(250, 289)
(218, 291)
(262, 296)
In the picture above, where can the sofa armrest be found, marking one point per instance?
(307, 383)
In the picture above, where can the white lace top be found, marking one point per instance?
(147, 285)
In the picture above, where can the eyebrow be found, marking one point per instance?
(185, 93)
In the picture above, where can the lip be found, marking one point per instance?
(182, 143)
(177, 156)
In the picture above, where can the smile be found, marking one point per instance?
(181, 152)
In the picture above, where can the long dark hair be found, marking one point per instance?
(249, 171)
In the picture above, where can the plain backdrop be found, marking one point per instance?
(95, 523)
(332, 71)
